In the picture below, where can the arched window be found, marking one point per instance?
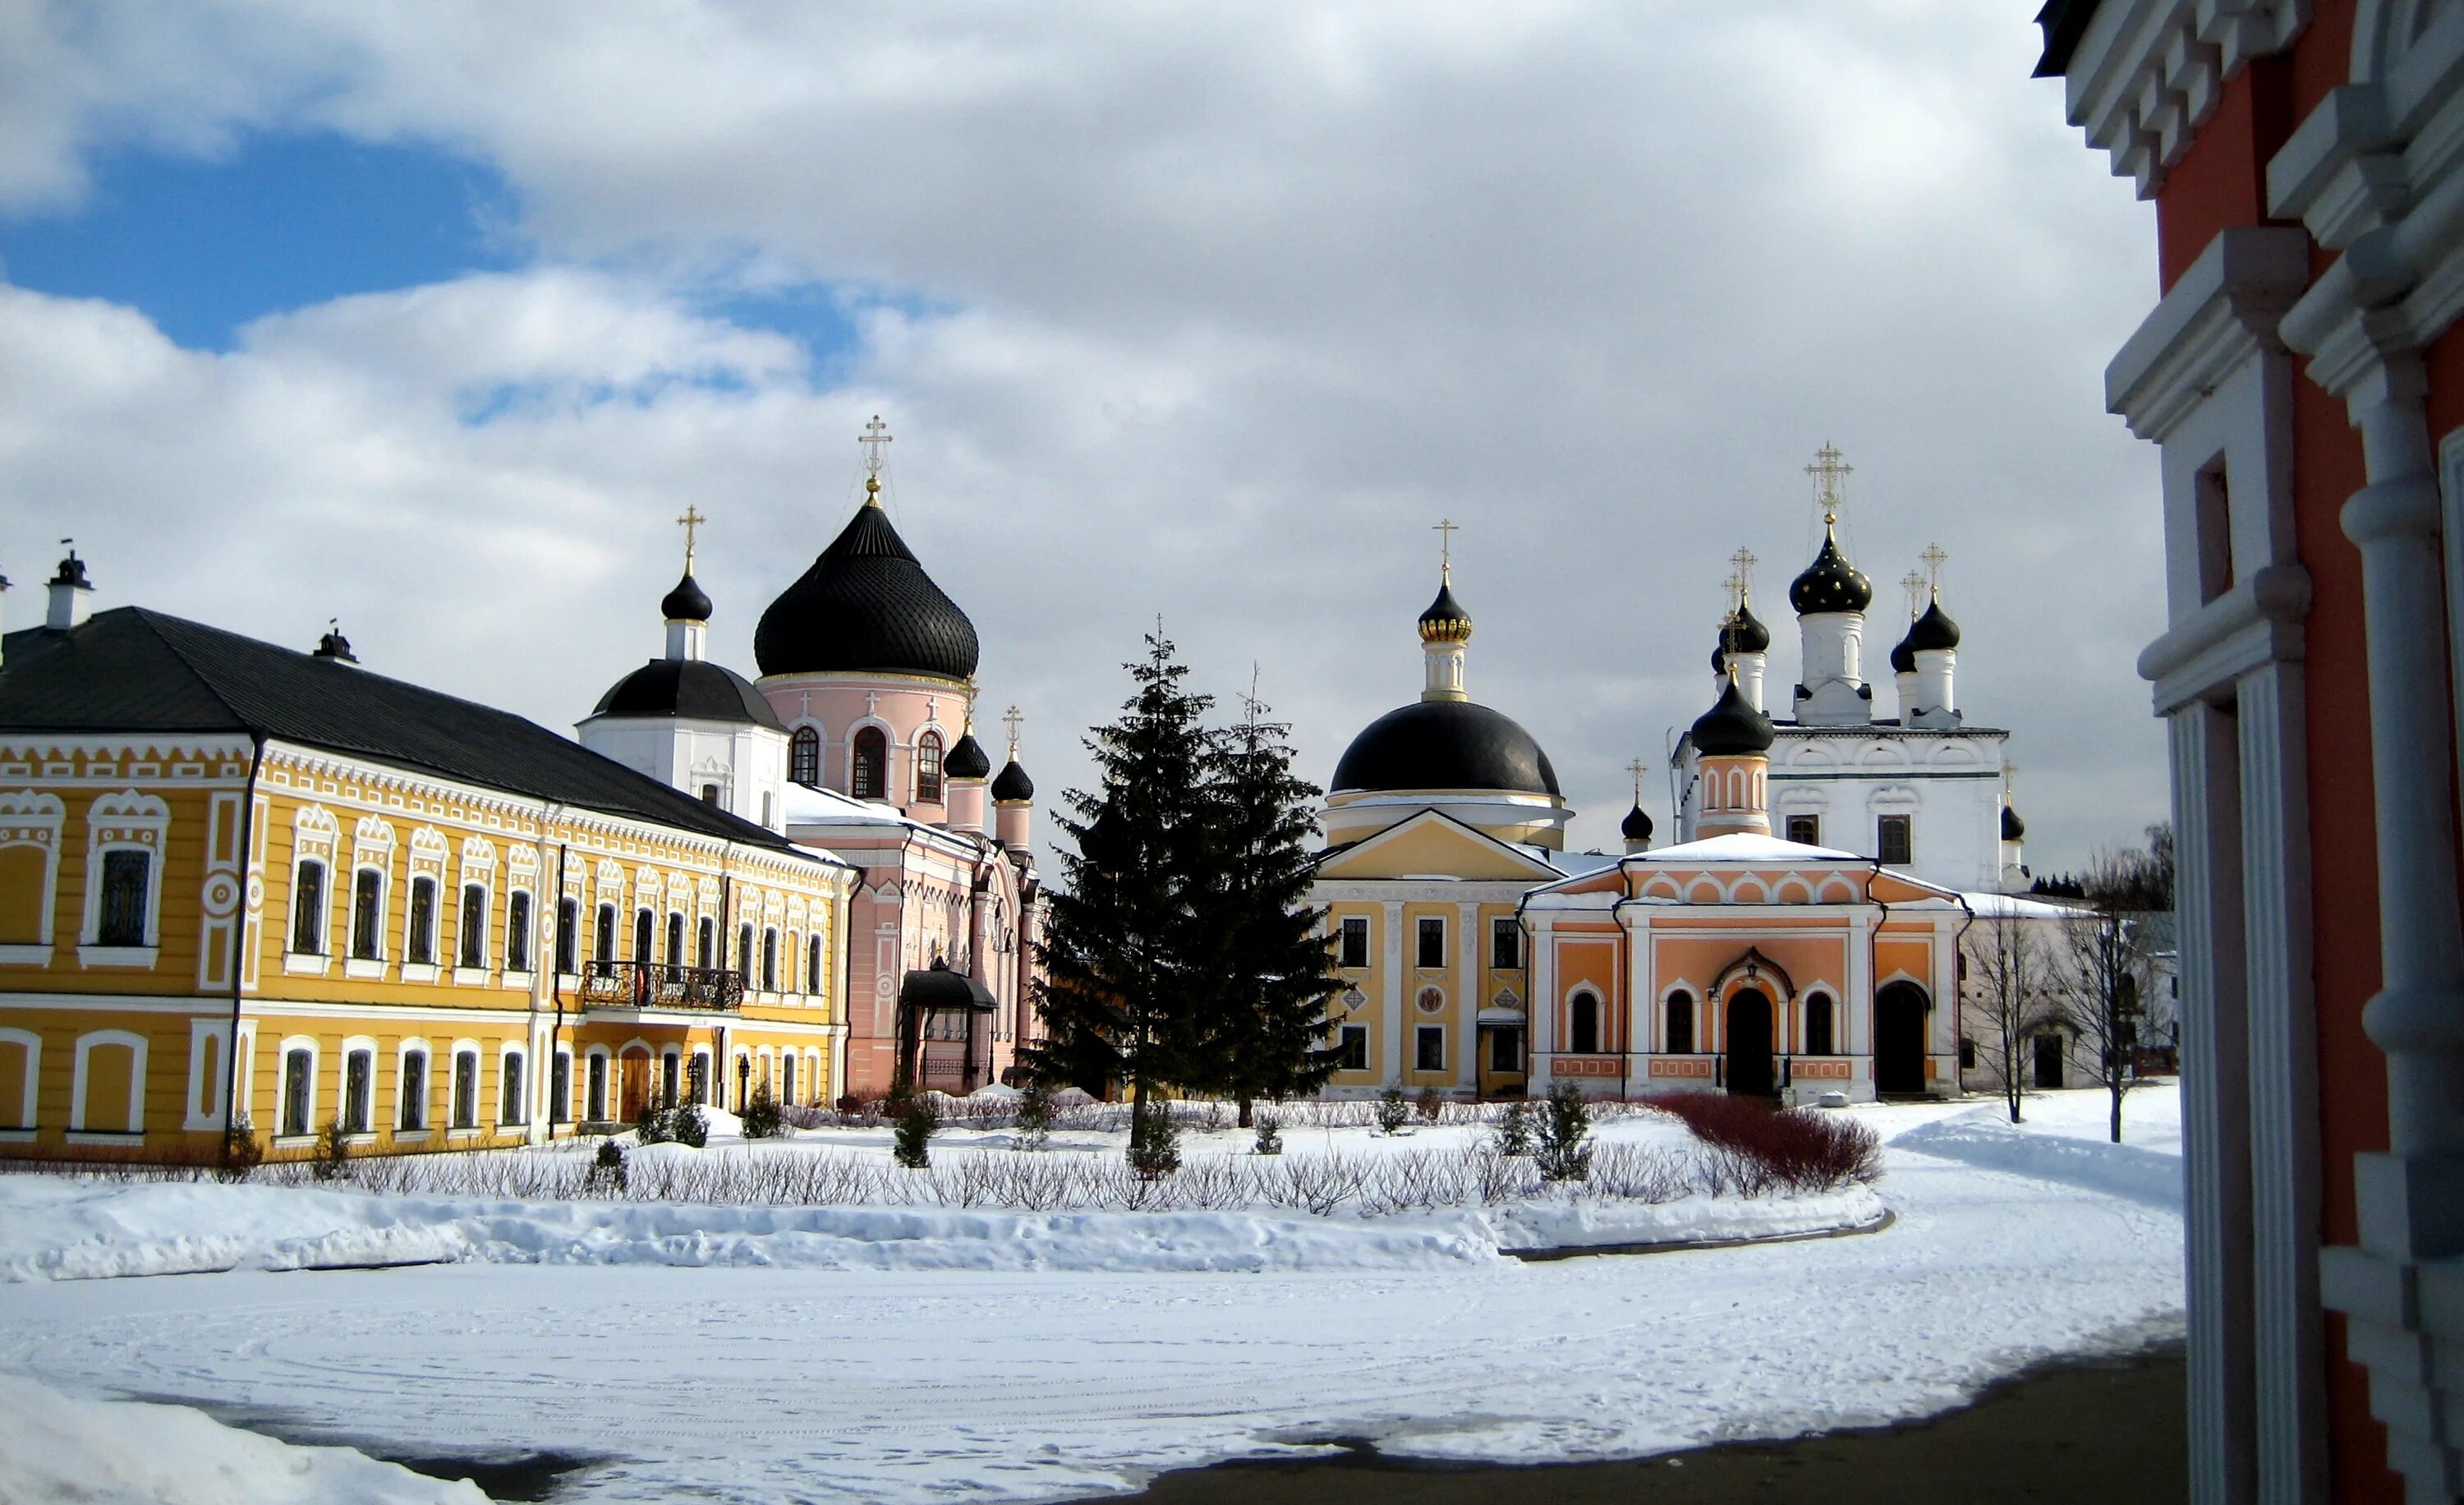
(568, 940)
(607, 938)
(1680, 1024)
(412, 1093)
(813, 965)
(368, 915)
(1583, 1025)
(1817, 1023)
(466, 1089)
(308, 910)
(419, 942)
(868, 765)
(804, 757)
(675, 940)
(358, 1092)
(928, 768)
(787, 1077)
(744, 952)
(517, 932)
(770, 960)
(299, 1081)
(645, 935)
(511, 1107)
(475, 924)
(706, 944)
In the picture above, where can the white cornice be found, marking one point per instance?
(2227, 304)
(2149, 73)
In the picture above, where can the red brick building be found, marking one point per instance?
(2303, 377)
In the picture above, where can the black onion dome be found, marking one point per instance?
(2012, 827)
(693, 689)
(1904, 653)
(1830, 584)
(865, 605)
(1733, 727)
(1446, 620)
(1933, 629)
(966, 759)
(1445, 745)
(1746, 630)
(1013, 784)
(1637, 825)
(687, 603)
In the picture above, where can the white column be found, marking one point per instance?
(2215, 1100)
(1542, 1006)
(1390, 1032)
(1856, 994)
(1641, 1033)
(2286, 1334)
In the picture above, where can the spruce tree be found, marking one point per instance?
(1122, 987)
(1272, 964)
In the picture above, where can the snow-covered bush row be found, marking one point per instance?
(1370, 1184)
(1075, 1112)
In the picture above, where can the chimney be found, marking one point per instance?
(72, 595)
(334, 646)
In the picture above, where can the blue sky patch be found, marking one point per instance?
(203, 247)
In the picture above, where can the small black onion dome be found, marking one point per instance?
(1445, 745)
(693, 688)
(1830, 584)
(865, 605)
(687, 603)
(1933, 629)
(1013, 784)
(1446, 621)
(1746, 630)
(1903, 655)
(2012, 827)
(1637, 825)
(1733, 727)
(966, 759)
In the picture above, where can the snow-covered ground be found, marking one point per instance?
(1041, 1380)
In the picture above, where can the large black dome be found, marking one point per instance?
(1830, 584)
(1935, 629)
(690, 688)
(1445, 745)
(865, 605)
(1732, 728)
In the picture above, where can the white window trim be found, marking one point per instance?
(282, 1081)
(127, 821)
(420, 972)
(401, 1055)
(508, 1053)
(478, 1089)
(77, 1089)
(435, 877)
(32, 818)
(486, 884)
(19, 1132)
(357, 1042)
(572, 1087)
(607, 1103)
(209, 1118)
(512, 887)
(352, 960)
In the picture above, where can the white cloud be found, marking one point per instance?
(1233, 302)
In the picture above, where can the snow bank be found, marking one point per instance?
(1987, 1139)
(1596, 1224)
(124, 1452)
(61, 1229)
(53, 1229)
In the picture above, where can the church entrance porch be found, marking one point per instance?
(2049, 1062)
(1900, 1040)
(1749, 1064)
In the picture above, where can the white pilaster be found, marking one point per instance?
(1467, 999)
(1390, 1028)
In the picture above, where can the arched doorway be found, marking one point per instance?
(1900, 1039)
(1749, 1043)
(632, 1081)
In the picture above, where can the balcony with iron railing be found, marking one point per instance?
(650, 984)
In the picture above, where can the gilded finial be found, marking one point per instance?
(876, 433)
(1934, 558)
(1914, 585)
(689, 521)
(1637, 769)
(1444, 528)
(1828, 471)
(1013, 718)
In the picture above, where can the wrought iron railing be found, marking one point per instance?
(647, 985)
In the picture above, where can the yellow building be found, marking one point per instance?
(242, 884)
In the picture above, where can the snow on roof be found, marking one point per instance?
(1990, 906)
(1744, 848)
(807, 806)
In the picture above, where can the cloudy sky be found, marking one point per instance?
(434, 316)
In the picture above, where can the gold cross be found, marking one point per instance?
(1013, 718)
(876, 433)
(1914, 585)
(1828, 471)
(1637, 769)
(1934, 558)
(1445, 529)
(1741, 574)
(692, 520)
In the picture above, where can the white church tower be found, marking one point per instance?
(692, 724)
